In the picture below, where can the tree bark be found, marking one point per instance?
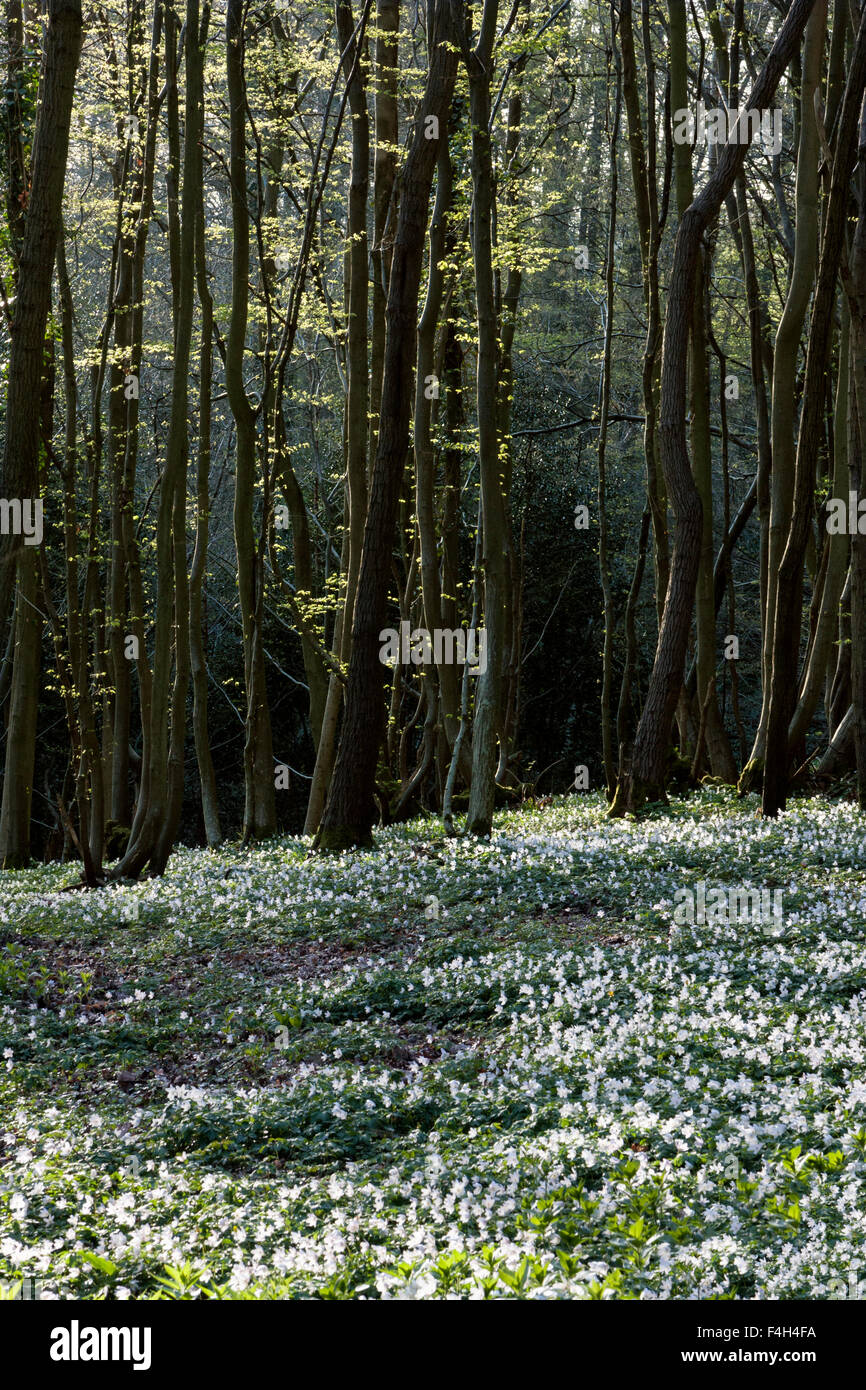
(23, 406)
(786, 626)
(260, 817)
(479, 820)
(645, 777)
(607, 732)
(350, 809)
(785, 364)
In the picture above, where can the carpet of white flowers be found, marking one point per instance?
(444, 1068)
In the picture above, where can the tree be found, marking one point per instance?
(645, 776)
(259, 806)
(349, 811)
(786, 626)
(63, 38)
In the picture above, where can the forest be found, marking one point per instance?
(433, 650)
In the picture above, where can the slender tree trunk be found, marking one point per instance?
(198, 569)
(128, 191)
(357, 304)
(624, 723)
(488, 696)
(260, 817)
(15, 198)
(426, 393)
(452, 373)
(643, 168)
(349, 812)
(23, 403)
(785, 364)
(837, 556)
(384, 211)
(85, 753)
(510, 252)
(858, 584)
(607, 733)
(856, 287)
(718, 749)
(786, 626)
(357, 401)
(155, 830)
(645, 777)
(758, 348)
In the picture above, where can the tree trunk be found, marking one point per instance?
(645, 777)
(23, 403)
(643, 168)
(837, 557)
(260, 817)
(479, 820)
(718, 749)
(357, 397)
(349, 812)
(198, 569)
(385, 169)
(785, 364)
(607, 739)
(786, 626)
(856, 287)
(155, 829)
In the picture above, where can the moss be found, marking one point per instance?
(618, 806)
(116, 839)
(335, 839)
(630, 796)
(751, 777)
(678, 774)
(480, 828)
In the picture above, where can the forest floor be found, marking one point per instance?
(444, 1068)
